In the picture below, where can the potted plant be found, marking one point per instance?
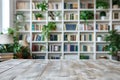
(57, 15)
(46, 30)
(102, 4)
(113, 43)
(102, 15)
(43, 6)
(116, 3)
(99, 37)
(38, 16)
(85, 15)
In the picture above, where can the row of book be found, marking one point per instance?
(100, 47)
(36, 37)
(71, 5)
(70, 47)
(86, 5)
(54, 5)
(37, 27)
(87, 37)
(54, 47)
(102, 27)
(38, 47)
(22, 5)
(70, 26)
(25, 27)
(116, 26)
(86, 27)
(70, 37)
(71, 16)
(24, 37)
(54, 56)
(87, 48)
(55, 37)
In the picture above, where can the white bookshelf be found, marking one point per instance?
(94, 54)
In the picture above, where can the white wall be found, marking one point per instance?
(0, 15)
(6, 15)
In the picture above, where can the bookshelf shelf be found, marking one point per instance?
(73, 37)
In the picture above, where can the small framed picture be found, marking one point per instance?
(116, 15)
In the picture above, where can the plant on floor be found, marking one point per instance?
(86, 15)
(102, 4)
(46, 30)
(17, 48)
(113, 42)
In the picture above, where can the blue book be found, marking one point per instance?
(72, 47)
(65, 47)
(33, 27)
(38, 38)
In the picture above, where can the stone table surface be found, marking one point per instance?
(23, 69)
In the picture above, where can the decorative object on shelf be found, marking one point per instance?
(99, 38)
(46, 30)
(102, 4)
(113, 40)
(38, 16)
(102, 15)
(57, 15)
(86, 15)
(115, 4)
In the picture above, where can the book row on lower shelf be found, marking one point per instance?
(68, 47)
(70, 56)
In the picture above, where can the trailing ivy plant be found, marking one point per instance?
(46, 30)
(86, 15)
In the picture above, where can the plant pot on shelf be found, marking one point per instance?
(115, 6)
(102, 15)
(39, 18)
(57, 18)
(99, 38)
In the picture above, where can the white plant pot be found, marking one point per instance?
(102, 17)
(99, 38)
(49, 18)
(115, 6)
(56, 18)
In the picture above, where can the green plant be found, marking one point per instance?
(57, 14)
(43, 6)
(38, 15)
(102, 4)
(113, 42)
(47, 28)
(116, 2)
(85, 15)
(99, 35)
(102, 13)
(38, 5)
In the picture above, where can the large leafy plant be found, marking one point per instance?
(102, 4)
(113, 42)
(46, 30)
(86, 15)
(43, 5)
